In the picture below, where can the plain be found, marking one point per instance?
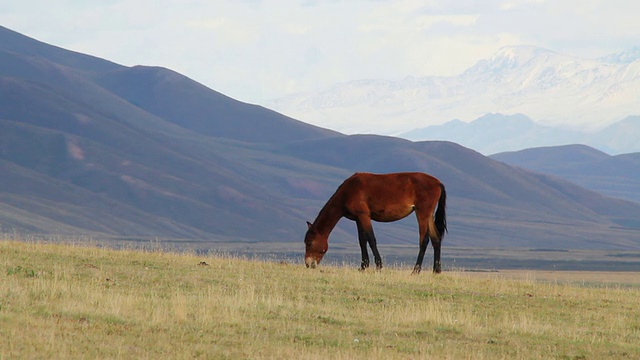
(72, 301)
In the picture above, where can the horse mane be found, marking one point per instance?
(323, 212)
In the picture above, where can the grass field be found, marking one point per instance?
(65, 302)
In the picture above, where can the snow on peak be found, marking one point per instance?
(508, 58)
(552, 88)
(625, 57)
(518, 55)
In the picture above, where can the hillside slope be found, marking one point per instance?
(617, 176)
(491, 204)
(92, 147)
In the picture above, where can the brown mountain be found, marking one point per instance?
(91, 147)
(616, 176)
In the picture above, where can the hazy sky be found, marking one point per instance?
(257, 50)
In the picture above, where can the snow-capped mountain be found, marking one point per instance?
(549, 87)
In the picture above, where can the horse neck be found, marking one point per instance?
(329, 215)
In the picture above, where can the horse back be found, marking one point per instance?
(389, 197)
(395, 184)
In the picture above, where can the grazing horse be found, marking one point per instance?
(364, 197)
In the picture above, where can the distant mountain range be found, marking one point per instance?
(495, 133)
(89, 147)
(617, 176)
(555, 90)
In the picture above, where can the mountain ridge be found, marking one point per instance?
(616, 176)
(495, 133)
(84, 151)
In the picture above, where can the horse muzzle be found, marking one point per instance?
(311, 262)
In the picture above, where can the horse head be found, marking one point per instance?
(316, 246)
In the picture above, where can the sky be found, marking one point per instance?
(256, 51)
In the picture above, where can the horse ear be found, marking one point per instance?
(309, 225)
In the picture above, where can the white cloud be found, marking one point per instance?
(208, 24)
(514, 4)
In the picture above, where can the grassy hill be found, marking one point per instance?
(65, 301)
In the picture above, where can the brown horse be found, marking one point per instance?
(364, 197)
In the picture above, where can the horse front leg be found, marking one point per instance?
(362, 238)
(374, 249)
(366, 235)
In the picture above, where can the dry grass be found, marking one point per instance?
(60, 301)
(584, 278)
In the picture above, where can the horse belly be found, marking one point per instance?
(391, 213)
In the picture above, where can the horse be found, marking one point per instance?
(384, 198)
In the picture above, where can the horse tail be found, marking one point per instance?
(441, 216)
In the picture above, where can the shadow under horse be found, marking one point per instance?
(384, 198)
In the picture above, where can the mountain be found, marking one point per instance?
(92, 148)
(617, 176)
(494, 133)
(61, 125)
(555, 89)
(618, 138)
(624, 57)
(192, 106)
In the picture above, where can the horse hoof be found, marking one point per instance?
(416, 270)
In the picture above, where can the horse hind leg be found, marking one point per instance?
(427, 230)
(437, 266)
(424, 241)
(423, 248)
